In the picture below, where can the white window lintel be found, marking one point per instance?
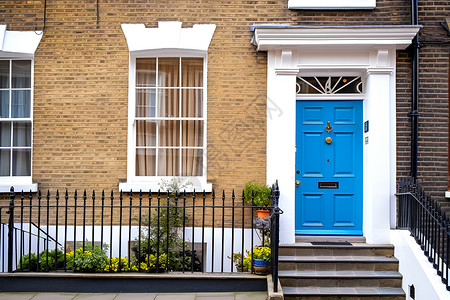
(168, 35)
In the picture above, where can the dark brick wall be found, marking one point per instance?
(433, 97)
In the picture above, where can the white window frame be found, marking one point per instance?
(146, 183)
(332, 4)
(20, 182)
(169, 39)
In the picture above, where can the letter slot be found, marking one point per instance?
(328, 185)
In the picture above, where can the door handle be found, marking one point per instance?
(328, 140)
(297, 183)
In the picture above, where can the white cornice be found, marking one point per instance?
(274, 36)
(168, 35)
(331, 4)
(18, 43)
(286, 71)
(380, 71)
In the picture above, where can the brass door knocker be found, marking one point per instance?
(328, 128)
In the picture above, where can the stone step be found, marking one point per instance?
(337, 263)
(355, 249)
(316, 293)
(340, 279)
(330, 238)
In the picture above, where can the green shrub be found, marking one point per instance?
(259, 192)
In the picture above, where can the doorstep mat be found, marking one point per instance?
(331, 244)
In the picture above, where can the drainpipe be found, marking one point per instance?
(448, 165)
(415, 91)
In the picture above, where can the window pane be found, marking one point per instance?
(4, 74)
(22, 134)
(4, 104)
(192, 103)
(20, 104)
(145, 72)
(192, 133)
(168, 103)
(5, 161)
(191, 72)
(168, 71)
(5, 134)
(145, 162)
(21, 74)
(146, 103)
(169, 133)
(168, 162)
(145, 133)
(192, 162)
(21, 162)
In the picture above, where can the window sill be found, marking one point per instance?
(332, 4)
(5, 188)
(154, 187)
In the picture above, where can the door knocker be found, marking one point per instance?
(328, 128)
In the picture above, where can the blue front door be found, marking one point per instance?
(329, 139)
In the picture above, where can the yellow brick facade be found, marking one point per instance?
(81, 82)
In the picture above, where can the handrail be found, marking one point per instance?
(429, 225)
(427, 210)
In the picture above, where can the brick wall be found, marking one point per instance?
(81, 85)
(433, 97)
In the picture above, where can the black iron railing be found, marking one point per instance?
(428, 224)
(275, 233)
(143, 232)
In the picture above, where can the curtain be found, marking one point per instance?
(177, 138)
(145, 157)
(169, 158)
(169, 106)
(145, 72)
(192, 106)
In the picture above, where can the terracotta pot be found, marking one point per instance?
(262, 213)
(261, 267)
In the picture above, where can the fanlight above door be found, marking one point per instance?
(329, 85)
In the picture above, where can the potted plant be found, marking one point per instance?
(242, 266)
(261, 260)
(260, 194)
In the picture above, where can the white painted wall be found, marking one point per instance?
(416, 269)
(232, 242)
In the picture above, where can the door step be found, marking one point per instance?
(330, 238)
(340, 271)
(343, 293)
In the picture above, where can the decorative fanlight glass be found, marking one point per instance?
(329, 85)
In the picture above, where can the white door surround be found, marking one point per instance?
(369, 52)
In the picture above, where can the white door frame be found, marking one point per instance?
(369, 52)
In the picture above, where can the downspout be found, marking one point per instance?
(415, 92)
(448, 165)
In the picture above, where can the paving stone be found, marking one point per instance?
(175, 297)
(251, 296)
(212, 297)
(96, 296)
(16, 296)
(135, 296)
(55, 296)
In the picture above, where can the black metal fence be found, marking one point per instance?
(144, 232)
(428, 224)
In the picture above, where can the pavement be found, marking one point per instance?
(135, 296)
